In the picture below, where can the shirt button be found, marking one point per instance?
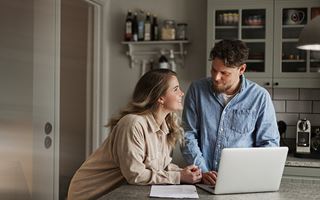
(221, 129)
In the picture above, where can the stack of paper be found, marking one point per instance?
(174, 191)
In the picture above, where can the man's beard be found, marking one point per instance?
(220, 88)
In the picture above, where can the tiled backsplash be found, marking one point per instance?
(294, 104)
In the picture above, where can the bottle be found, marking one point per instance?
(128, 27)
(135, 27)
(147, 28)
(141, 25)
(155, 29)
(172, 62)
(163, 61)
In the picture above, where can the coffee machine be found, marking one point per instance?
(303, 139)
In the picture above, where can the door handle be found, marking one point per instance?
(47, 142)
(48, 128)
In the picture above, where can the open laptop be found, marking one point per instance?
(244, 170)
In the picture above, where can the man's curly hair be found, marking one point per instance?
(233, 52)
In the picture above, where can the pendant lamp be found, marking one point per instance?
(309, 38)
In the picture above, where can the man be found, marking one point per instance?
(226, 110)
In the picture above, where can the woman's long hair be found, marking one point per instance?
(150, 87)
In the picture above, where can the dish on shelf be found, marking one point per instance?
(254, 20)
(291, 57)
(253, 23)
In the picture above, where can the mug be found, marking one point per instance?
(294, 17)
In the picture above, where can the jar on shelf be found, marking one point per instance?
(181, 31)
(168, 30)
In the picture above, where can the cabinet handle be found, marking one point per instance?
(267, 83)
(276, 83)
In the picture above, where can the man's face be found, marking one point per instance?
(225, 79)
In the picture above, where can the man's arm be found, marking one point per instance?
(191, 120)
(267, 133)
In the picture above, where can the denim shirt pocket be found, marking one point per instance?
(242, 121)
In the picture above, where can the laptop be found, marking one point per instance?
(245, 170)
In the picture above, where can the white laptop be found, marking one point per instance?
(244, 170)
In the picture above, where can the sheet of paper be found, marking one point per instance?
(174, 191)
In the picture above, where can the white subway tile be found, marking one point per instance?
(279, 106)
(299, 106)
(316, 107)
(285, 94)
(289, 119)
(309, 94)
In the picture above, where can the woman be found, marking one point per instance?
(138, 148)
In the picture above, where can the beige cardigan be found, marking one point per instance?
(136, 152)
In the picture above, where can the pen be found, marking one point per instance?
(194, 168)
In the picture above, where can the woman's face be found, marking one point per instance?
(172, 100)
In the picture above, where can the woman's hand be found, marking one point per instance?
(209, 178)
(191, 174)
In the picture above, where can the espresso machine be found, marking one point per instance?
(303, 139)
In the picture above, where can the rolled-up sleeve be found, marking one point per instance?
(134, 163)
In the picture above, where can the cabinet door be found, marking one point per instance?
(253, 24)
(294, 67)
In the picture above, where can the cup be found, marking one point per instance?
(294, 17)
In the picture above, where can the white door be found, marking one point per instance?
(30, 97)
(29, 60)
(46, 95)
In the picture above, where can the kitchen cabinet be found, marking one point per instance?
(265, 26)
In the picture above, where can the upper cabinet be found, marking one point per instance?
(294, 67)
(271, 30)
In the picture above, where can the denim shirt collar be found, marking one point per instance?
(219, 95)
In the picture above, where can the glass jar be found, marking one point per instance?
(181, 31)
(168, 30)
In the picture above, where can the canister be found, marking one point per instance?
(168, 30)
(181, 31)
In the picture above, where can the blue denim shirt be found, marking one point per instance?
(248, 120)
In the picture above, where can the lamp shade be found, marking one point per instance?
(309, 38)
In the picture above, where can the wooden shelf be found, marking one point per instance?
(132, 53)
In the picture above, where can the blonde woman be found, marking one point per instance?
(137, 151)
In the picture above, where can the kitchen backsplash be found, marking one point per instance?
(294, 104)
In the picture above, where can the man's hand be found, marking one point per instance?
(209, 178)
(191, 174)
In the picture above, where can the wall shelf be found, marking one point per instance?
(158, 46)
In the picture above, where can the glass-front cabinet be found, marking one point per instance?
(271, 30)
(294, 67)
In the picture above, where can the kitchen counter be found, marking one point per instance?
(302, 162)
(289, 189)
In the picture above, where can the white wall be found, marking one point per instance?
(122, 78)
